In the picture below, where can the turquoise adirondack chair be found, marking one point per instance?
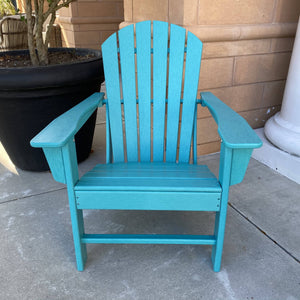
(152, 150)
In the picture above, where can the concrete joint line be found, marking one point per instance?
(28, 196)
(263, 232)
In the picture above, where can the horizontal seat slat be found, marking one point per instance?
(149, 177)
(151, 166)
(149, 170)
(153, 184)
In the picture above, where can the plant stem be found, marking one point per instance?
(41, 47)
(30, 24)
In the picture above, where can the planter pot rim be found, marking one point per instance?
(42, 77)
(97, 53)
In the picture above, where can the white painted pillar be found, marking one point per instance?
(283, 129)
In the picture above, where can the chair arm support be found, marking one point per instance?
(234, 131)
(64, 127)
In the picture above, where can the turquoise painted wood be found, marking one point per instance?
(143, 58)
(112, 82)
(127, 58)
(192, 70)
(176, 63)
(151, 139)
(148, 239)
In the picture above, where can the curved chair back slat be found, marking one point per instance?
(176, 63)
(112, 81)
(191, 78)
(152, 79)
(127, 60)
(143, 58)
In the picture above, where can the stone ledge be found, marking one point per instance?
(239, 32)
(89, 20)
(278, 160)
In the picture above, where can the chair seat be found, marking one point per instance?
(156, 186)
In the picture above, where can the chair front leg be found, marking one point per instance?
(220, 221)
(71, 172)
(78, 231)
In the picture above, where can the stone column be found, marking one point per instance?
(283, 129)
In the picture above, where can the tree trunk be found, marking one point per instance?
(31, 42)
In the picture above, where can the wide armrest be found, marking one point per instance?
(234, 131)
(237, 137)
(64, 127)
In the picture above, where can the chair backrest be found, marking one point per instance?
(145, 66)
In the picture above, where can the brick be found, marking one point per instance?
(183, 12)
(287, 11)
(89, 46)
(215, 73)
(66, 26)
(97, 9)
(273, 93)
(87, 37)
(105, 35)
(273, 30)
(74, 8)
(99, 27)
(260, 68)
(207, 131)
(282, 44)
(239, 98)
(217, 33)
(257, 118)
(150, 10)
(65, 12)
(128, 10)
(212, 12)
(236, 48)
(120, 10)
(68, 37)
(208, 148)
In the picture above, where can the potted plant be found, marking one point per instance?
(39, 84)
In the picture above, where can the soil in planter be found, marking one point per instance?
(55, 58)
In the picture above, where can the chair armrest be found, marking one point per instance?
(57, 138)
(234, 131)
(64, 127)
(236, 135)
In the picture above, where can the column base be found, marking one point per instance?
(283, 134)
(286, 164)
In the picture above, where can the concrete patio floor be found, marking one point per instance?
(260, 258)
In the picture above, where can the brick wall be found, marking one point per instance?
(87, 23)
(247, 48)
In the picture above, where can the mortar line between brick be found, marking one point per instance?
(28, 196)
(264, 233)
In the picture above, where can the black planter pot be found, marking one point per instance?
(31, 97)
